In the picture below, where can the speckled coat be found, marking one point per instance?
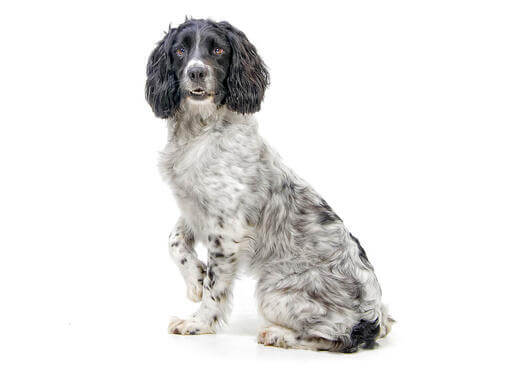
(316, 288)
(250, 210)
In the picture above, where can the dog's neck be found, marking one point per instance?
(192, 122)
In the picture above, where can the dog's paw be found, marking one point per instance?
(188, 327)
(274, 336)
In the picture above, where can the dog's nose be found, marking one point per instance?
(197, 73)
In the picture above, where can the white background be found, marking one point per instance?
(397, 112)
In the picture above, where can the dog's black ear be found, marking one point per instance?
(247, 77)
(162, 87)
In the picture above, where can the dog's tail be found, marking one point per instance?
(365, 333)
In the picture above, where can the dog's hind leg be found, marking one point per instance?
(303, 315)
(295, 321)
(283, 337)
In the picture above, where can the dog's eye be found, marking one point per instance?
(218, 51)
(180, 52)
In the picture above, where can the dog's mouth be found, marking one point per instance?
(199, 94)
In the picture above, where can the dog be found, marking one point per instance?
(316, 288)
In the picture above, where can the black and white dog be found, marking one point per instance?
(316, 288)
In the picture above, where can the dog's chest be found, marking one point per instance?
(208, 179)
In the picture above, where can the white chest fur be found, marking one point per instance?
(213, 173)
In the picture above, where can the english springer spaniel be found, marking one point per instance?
(316, 288)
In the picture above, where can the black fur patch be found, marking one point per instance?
(248, 77)
(363, 335)
(327, 217)
(162, 87)
(362, 253)
(211, 276)
(210, 273)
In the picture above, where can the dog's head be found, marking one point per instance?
(203, 63)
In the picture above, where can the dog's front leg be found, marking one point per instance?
(181, 244)
(218, 282)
